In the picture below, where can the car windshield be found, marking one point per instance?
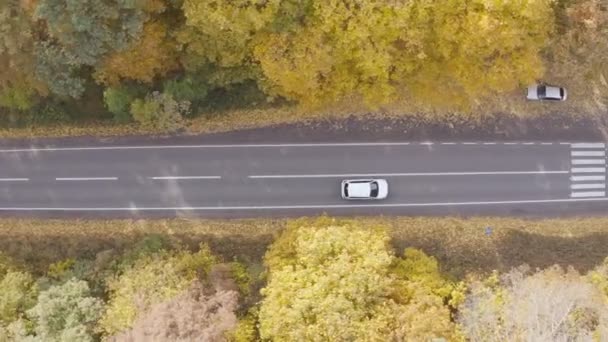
(374, 189)
(346, 189)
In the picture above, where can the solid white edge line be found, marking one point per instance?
(185, 177)
(587, 178)
(588, 170)
(588, 145)
(14, 179)
(588, 161)
(84, 178)
(588, 194)
(316, 206)
(151, 147)
(588, 186)
(410, 174)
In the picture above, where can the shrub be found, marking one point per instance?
(118, 101)
(191, 88)
(18, 97)
(159, 111)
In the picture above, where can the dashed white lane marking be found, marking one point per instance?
(86, 178)
(588, 194)
(588, 162)
(313, 206)
(414, 174)
(587, 178)
(588, 186)
(588, 153)
(14, 179)
(185, 177)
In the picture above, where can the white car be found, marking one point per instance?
(546, 92)
(364, 189)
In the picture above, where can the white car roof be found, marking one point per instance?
(359, 189)
(552, 92)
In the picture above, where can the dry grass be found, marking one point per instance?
(461, 245)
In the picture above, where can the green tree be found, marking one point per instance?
(159, 111)
(81, 33)
(66, 312)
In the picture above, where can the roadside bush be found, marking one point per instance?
(160, 111)
(19, 98)
(118, 101)
(190, 88)
(50, 113)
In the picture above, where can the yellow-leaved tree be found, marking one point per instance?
(434, 52)
(151, 56)
(338, 281)
(218, 37)
(342, 48)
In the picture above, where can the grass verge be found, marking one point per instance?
(462, 245)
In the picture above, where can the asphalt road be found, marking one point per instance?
(429, 178)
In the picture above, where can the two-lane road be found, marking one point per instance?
(276, 179)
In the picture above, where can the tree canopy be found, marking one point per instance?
(334, 281)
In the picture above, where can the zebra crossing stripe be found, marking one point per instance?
(588, 194)
(588, 170)
(588, 145)
(587, 178)
(588, 186)
(588, 162)
(589, 153)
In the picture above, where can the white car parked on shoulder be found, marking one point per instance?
(544, 92)
(365, 189)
